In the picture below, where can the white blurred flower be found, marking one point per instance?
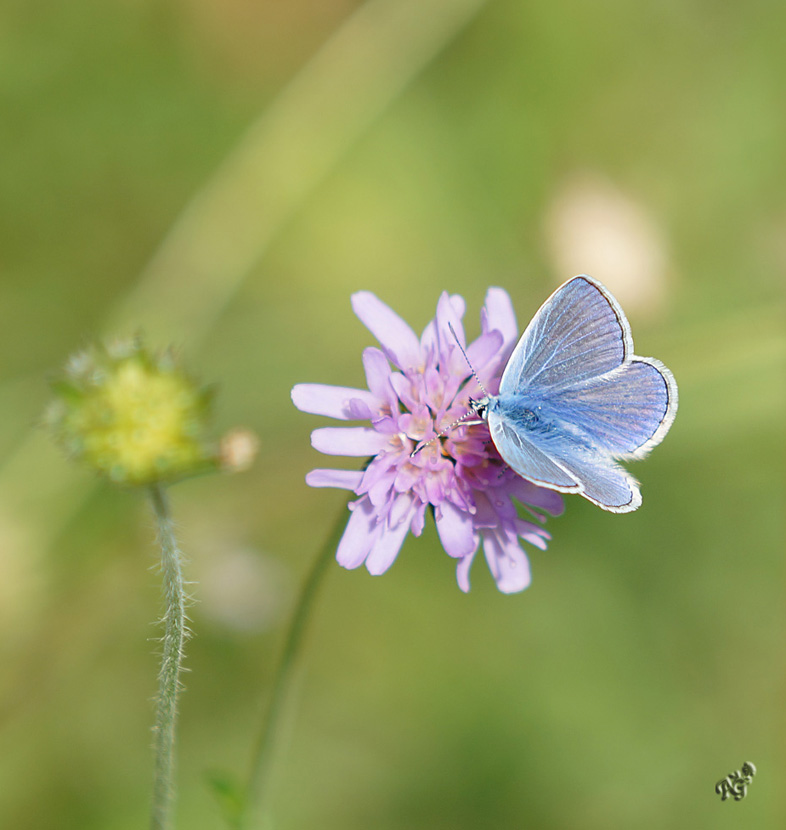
(592, 227)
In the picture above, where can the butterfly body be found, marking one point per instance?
(532, 418)
(574, 399)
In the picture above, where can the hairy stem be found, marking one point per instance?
(253, 800)
(174, 621)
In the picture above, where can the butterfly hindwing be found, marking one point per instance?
(555, 455)
(604, 482)
(624, 413)
(527, 459)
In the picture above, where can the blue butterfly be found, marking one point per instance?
(574, 399)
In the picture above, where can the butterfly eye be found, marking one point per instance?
(480, 407)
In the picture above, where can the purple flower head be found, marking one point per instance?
(426, 389)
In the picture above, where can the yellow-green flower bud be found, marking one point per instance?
(133, 416)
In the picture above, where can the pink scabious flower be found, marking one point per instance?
(461, 475)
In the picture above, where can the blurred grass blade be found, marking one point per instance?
(284, 156)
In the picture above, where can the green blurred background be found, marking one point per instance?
(223, 175)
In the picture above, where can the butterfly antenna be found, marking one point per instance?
(441, 434)
(471, 368)
(463, 417)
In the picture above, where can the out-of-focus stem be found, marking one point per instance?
(174, 621)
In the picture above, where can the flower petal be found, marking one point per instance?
(532, 533)
(459, 305)
(448, 317)
(530, 494)
(507, 562)
(379, 492)
(485, 353)
(419, 519)
(498, 314)
(485, 512)
(357, 441)
(377, 369)
(401, 510)
(360, 534)
(346, 479)
(397, 339)
(377, 469)
(455, 530)
(462, 571)
(451, 358)
(332, 401)
(404, 390)
(429, 338)
(386, 548)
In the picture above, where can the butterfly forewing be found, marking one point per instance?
(577, 334)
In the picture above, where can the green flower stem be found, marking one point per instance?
(253, 800)
(174, 621)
